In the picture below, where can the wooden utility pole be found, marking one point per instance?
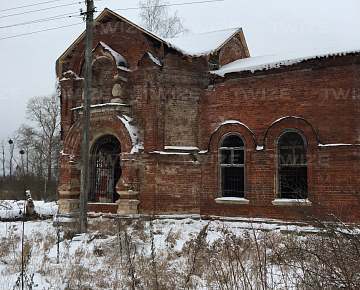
(84, 182)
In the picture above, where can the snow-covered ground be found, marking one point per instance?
(167, 252)
(82, 258)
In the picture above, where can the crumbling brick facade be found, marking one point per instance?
(171, 116)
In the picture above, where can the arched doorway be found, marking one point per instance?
(106, 169)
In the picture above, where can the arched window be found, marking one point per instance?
(292, 165)
(232, 159)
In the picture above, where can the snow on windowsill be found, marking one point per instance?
(169, 153)
(292, 202)
(188, 148)
(101, 105)
(337, 144)
(232, 200)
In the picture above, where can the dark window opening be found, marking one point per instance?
(232, 166)
(106, 169)
(233, 184)
(148, 93)
(66, 107)
(292, 166)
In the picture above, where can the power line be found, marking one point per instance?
(167, 5)
(41, 20)
(40, 31)
(28, 5)
(66, 15)
(55, 17)
(48, 8)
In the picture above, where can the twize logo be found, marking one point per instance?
(300, 27)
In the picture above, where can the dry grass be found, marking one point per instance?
(122, 254)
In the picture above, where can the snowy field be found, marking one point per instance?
(168, 253)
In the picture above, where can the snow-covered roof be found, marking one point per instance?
(201, 44)
(282, 59)
(192, 46)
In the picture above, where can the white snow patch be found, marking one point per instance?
(101, 105)
(258, 148)
(231, 198)
(154, 59)
(74, 74)
(66, 154)
(282, 59)
(337, 144)
(133, 132)
(169, 153)
(13, 209)
(117, 56)
(181, 148)
(292, 200)
(124, 68)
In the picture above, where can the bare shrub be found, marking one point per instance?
(172, 237)
(195, 266)
(329, 259)
(69, 233)
(104, 227)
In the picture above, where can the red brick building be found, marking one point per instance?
(194, 125)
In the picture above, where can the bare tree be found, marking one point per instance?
(40, 140)
(2, 146)
(11, 152)
(154, 16)
(25, 140)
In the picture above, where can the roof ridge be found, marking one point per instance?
(208, 32)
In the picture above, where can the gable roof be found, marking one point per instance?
(206, 43)
(191, 46)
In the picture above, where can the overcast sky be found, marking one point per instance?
(28, 62)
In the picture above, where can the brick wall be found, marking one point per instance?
(325, 95)
(180, 104)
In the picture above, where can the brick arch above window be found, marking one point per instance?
(298, 123)
(100, 51)
(235, 127)
(99, 126)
